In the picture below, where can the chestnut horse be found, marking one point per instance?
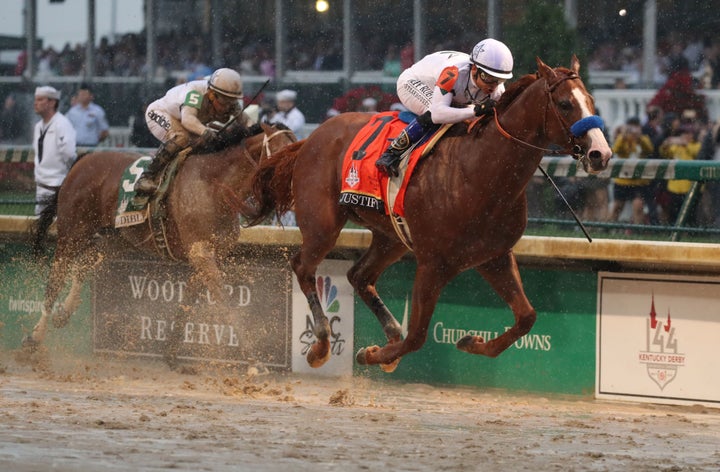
(465, 206)
(202, 215)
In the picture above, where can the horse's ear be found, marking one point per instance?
(575, 64)
(544, 70)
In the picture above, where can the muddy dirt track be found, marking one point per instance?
(93, 415)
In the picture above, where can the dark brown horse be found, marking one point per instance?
(202, 206)
(465, 206)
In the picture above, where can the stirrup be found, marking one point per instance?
(140, 200)
(145, 186)
(388, 162)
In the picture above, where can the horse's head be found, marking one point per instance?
(571, 119)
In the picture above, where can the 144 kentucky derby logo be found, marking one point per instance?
(661, 355)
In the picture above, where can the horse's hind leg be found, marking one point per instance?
(382, 253)
(430, 279)
(504, 277)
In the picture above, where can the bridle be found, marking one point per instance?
(265, 151)
(572, 147)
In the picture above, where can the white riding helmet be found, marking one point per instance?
(493, 57)
(226, 82)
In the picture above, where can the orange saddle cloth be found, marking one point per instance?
(363, 185)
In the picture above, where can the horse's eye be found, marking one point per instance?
(565, 105)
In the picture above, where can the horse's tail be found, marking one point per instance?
(39, 230)
(272, 185)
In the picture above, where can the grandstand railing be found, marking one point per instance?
(699, 172)
(614, 105)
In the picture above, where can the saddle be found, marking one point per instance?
(362, 184)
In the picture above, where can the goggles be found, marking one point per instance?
(489, 79)
(224, 99)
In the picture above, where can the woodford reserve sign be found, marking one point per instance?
(136, 304)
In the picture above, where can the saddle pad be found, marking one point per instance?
(362, 183)
(128, 214)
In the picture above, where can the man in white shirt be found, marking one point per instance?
(54, 145)
(88, 119)
(288, 114)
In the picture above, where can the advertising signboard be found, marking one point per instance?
(137, 304)
(556, 356)
(337, 301)
(22, 288)
(657, 338)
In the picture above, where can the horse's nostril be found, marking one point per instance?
(595, 155)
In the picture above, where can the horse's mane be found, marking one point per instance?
(515, 89)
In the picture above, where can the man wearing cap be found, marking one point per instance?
(88, 119)
(288, 114)
(53, 143)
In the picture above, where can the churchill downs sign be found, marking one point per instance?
(136, 305)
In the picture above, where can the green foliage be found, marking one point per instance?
(542, 33)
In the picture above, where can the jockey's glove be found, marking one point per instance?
(484, 108)
(209, 137)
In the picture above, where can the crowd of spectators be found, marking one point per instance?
(189, 56)
(675, 126)
(702, 53)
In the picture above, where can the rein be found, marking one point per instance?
(575, 150)
(580, 127)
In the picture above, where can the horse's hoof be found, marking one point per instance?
(360, 356)
(390, 368)
(60, 318)
(316, 359)
(29, 344)
(470, 344)
(172, 361)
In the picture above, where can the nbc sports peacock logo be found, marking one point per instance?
(328, 294)
(661, 356)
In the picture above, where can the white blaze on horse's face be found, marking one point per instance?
(599, 148)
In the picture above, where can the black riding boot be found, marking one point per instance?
(413, 132)
(147, 183)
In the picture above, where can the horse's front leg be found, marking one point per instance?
(319, 352)
(89, 261)
(504, 276)
(203, 259)
(429, 282)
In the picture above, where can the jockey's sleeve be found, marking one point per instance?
(190, 121)
(442, 111)
(446, 80)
